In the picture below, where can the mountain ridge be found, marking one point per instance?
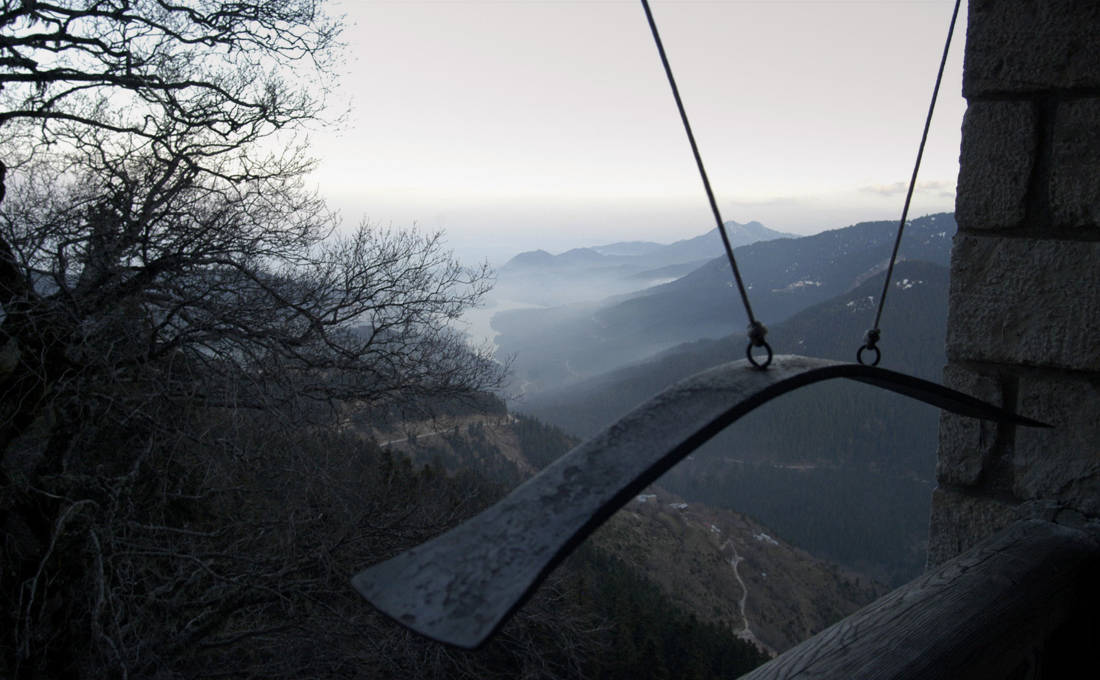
(557, 346)
(839, 469)
(646, 254)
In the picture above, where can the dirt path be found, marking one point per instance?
(418, 435)
(745, 633)
(441, 426)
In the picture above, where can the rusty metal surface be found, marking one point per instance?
(459, 587)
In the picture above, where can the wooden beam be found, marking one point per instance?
(983, 615)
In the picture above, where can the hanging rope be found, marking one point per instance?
(757, 332)
(871, 337)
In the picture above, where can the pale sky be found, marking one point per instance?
(522, 124)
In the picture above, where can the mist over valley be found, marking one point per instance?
(836, 469)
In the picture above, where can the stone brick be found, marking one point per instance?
(1063, 463)
(958, 521)
(1059, 513)
(1031, 46)
(998, 152)
(1025, 301)
(1075, 164)
(967, 444)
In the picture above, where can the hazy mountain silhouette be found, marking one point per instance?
(566, 344)
(590, 274)
(645, 254)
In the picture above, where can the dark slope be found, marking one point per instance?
(913, 332)
(840, 469)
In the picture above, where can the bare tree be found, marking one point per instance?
(150, 295)
(224, 73)
(144, 222)
(162, 270)
(227, 553)
(117, 110)
(241, 286)
(194, 84)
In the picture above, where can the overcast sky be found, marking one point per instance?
(518, 124)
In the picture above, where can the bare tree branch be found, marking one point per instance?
(176, 309)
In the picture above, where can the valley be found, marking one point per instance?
(792, 518)
(836, 468)
(560, 345)
(720, 567)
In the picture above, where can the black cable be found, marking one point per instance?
(871, 338)
(757, 331)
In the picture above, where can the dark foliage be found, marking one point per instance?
(871, 521)
(542, 444)
(649, 636)
(178, 318)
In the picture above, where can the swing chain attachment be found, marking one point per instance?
(757, 333)
(756, 329)
(870, 342)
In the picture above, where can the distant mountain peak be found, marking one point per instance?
(755, 231)
(580, 256)
(530, 258)
(647, 254)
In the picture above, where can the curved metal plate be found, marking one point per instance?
(461, 586)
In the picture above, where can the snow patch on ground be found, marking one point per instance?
(764, 538)
(795, 285)
(860, 304)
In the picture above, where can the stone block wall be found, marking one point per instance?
(1024, 319)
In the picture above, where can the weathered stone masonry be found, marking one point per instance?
(1024, 319)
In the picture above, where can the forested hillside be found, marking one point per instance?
(728, 569)
(838, 468)
(635, 623)
(776, 596)
(913, 332)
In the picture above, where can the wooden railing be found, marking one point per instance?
(1021, 605)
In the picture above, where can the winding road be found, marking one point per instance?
(745, 633)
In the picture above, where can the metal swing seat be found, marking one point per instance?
(461, 586)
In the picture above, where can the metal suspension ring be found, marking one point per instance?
(876, 350)
(767, 362)
(757, 334)
(870, 342)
